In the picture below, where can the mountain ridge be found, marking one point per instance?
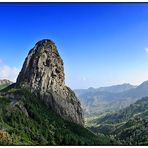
(4, 83)
(96, 102)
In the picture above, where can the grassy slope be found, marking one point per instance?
(3, 86)
(26, 120)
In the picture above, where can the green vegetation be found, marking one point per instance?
(3, 86)
(26, 120)
(129, 126)
(101, 101)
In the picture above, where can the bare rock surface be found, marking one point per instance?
(5, 81)
(43, 74)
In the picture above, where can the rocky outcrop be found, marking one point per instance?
(43, 74)
(5, 82)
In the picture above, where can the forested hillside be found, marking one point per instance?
(129, 125)
(26, 120)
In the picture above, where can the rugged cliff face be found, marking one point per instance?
(43, 74)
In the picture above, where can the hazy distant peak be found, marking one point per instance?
(5, 81)
(91, 88)
(143, 85)
(109, 89)
(117, 88)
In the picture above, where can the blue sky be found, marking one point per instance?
(101, 43)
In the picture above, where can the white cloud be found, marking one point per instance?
(7, 72)
(146, 50)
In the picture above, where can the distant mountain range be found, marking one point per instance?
(118, 112)
(111, 89)
(4, 83)
(102, 100)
